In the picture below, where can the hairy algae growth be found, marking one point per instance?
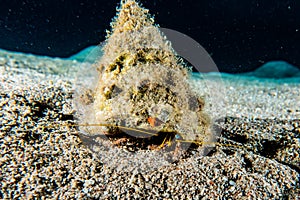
(142, 96)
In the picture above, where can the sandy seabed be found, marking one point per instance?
(256, 155)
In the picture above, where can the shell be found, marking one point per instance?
(143, 84)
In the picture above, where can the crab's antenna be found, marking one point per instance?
(106, 125)
(140, 131)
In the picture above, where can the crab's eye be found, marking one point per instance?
(177, 136)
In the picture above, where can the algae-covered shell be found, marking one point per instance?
(143, 84)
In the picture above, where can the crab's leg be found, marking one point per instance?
(162, 144)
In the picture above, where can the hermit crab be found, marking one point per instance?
(142, 96)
